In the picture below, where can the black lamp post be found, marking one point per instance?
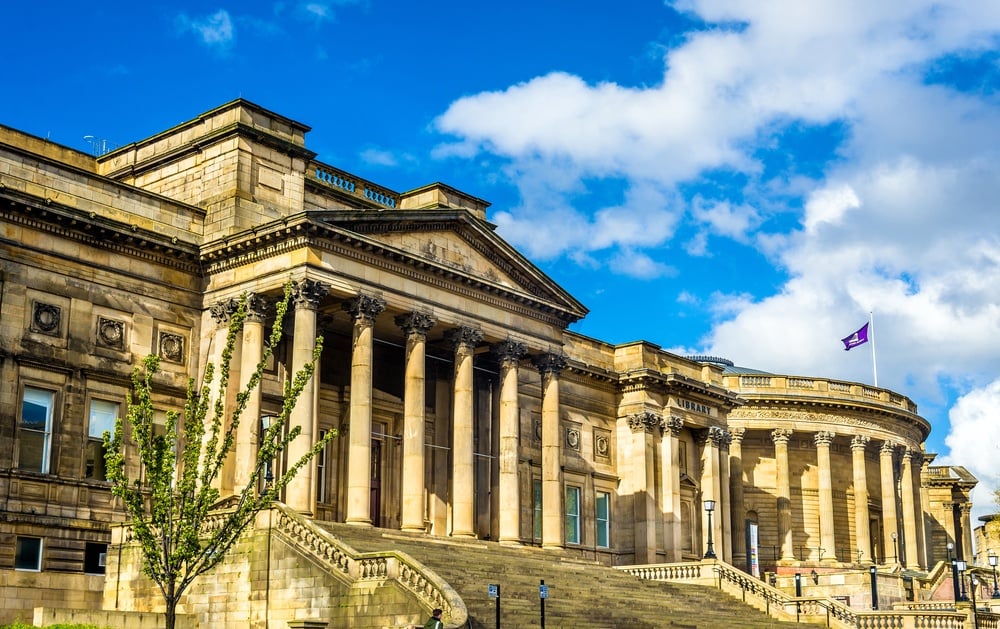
(961, 566)
(993, 564)
(973, 583)
(709, 508)
(873, 574)
(894, 555)
(954, 572)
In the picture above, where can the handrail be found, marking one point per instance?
(776, 604)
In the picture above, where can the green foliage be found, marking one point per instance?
(171, 507)
(19, 625)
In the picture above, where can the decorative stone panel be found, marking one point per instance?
(171, 347)
(602, 444)
(574, 435)
(46, 318)
(110, 333)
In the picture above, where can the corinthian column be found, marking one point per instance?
(550, 365)
(415, 325)
(911, 556)
(783, 489)
(827, 536)
(363, 309)
(725, 509)
(222, 311)
(464, 340)
(301, 491)
(250, 355)
(671, 471)
(861, 525)
(509, 353)
(890, 524)
(737, 510)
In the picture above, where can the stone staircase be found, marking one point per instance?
(581, 593)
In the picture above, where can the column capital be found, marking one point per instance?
(509, 351)
(308, 293)
(712, 435)
(859, 442)
(465, 335)
(257, 307)
(965, 508)
(916, 457)
(644, 421)
(223, 309)
(737, 435)
(781, 435)
(674, 425)
(888, 448)
(364, 308)
(415, 323)
(550, 362)
(823, 438)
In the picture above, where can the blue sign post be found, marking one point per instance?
(543, 593)
(494, 591)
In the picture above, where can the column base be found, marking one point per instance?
(510, 542)
(357, 522)
(464, 534)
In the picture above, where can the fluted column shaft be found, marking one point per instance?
(827, 535)
(890, 523)
(737, 510)
(861, 517)
(912, 555)
(549, 366)
(463, 473)
(671, 481)
(250, 356)
(300, 493)
(363, 310)
(415, 325)
(509, 354)
(783, 490)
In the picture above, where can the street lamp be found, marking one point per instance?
(960, 565)
(973, 582)
(954, 572)
(709, 508)
(894, 548)
(993, 564)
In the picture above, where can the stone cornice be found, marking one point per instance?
(97, 231)
(674, 383)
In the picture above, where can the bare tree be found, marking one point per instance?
(169, 508)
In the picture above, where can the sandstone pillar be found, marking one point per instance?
(641, 482)
(463, 473)
(300, 494)
(783, 490)
(363, 309)
(250, 357)
(415, 325)
(509, 354)
(550, 366)
(827, 535)
(222, 311)
(737, 510)
(890, 524)
(911, 556)
(711, 488)
(968, 553)
(862, 528)
(671, 473)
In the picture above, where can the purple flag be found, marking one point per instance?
(858, 338)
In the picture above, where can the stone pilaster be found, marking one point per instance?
(783, 490)
(509, 354)
(550, 366)
(724, 509)
(862, 529)
(671, 473)
(464, 340)
(911, 556)
(415, 325)
(300, 494)
(827, 535)
(642, 483)
(737, 510)
(222, 312)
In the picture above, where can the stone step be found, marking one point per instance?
(581, 593)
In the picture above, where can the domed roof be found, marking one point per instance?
(728, 367)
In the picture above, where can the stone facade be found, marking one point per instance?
(464, 404)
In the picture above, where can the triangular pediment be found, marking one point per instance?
(455, 241)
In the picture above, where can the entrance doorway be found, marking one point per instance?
(375, 502)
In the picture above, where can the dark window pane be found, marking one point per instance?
(28, 553)
(94, 556)
(31, 451)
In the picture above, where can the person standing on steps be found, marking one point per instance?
(434, 622)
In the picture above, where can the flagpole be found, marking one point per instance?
(871, 325)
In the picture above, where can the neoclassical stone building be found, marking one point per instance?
(465, 406)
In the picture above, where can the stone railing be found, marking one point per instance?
(355, 186)
(797, 385)
(814, 610)
(349, 565)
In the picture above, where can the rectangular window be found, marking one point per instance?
(95, 558)
(536, 509)
(602, 505)
(572, 515)
(102, 419)
(321, 471)
(35, 429)
(28, 553)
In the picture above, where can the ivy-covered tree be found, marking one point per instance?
(170, 505)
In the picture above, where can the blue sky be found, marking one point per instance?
(745, 179)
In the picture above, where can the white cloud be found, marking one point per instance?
(975, 443)
(378, 157)
(216, 30)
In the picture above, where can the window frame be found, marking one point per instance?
(46, 433)
(573, 517)
(602, 524)
(98, 441)
(18, 549)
